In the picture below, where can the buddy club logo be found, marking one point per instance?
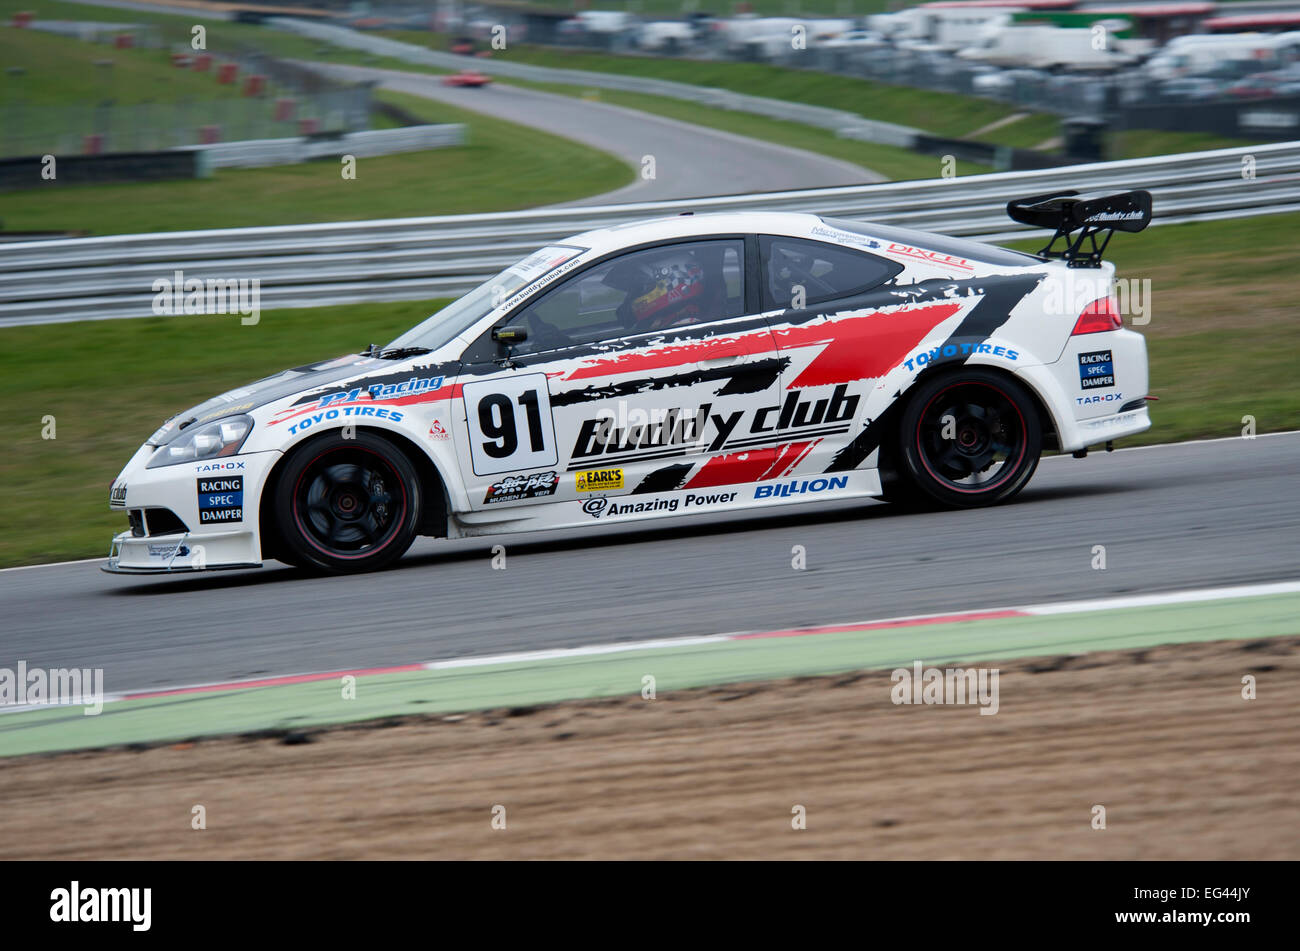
(710, 431)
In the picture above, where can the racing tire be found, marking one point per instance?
(969, 440)
(347, 505)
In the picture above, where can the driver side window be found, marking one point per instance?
(644, 291)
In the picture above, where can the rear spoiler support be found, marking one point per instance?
(1077, 219)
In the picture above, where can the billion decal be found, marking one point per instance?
(786, 489)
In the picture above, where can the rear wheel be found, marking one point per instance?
(969, 440)
(347, 505)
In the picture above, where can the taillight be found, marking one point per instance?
(1101, 315)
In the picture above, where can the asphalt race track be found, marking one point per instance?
(691, 161)
(1171, 517)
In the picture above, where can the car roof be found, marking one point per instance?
(797, 224)
(689, 224)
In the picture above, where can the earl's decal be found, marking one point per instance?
(599, 480)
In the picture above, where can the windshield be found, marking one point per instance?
(462, 314)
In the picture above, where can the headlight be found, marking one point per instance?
(213, 440)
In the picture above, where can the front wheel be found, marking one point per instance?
(970, 440)
(347, 505)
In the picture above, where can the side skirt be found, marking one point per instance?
(604, 508)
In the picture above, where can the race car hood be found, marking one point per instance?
(268, 390)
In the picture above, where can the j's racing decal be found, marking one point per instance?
(510, 425)
(221, 499)
(596, 480)
(517, 488)
(382, 391)
(1096, 369)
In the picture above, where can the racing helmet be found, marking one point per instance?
(662, 290)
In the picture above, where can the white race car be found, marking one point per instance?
(695, 364)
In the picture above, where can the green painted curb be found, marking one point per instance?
(527, 683)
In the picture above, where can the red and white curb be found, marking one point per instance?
(917, 620)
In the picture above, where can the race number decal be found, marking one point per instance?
(510, 425)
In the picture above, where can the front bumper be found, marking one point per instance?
(214, 526)
(172, 554)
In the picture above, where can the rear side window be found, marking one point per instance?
(795, 270)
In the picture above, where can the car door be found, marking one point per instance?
(634, 376)
(821, 300)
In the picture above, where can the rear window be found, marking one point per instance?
(801, 273)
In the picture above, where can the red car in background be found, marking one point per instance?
(466, 77)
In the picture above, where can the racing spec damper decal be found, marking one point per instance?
(1001, 294)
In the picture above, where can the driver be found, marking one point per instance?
(662, 292)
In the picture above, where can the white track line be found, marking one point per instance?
(1171, 597)
(560, 653)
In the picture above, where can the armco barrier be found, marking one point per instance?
(423, 258)
(259, 153)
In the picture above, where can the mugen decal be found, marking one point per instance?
(519, 487)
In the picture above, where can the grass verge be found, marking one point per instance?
(498, 169)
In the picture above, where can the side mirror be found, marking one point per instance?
(509, 335)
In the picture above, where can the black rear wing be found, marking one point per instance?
(1094, 217)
